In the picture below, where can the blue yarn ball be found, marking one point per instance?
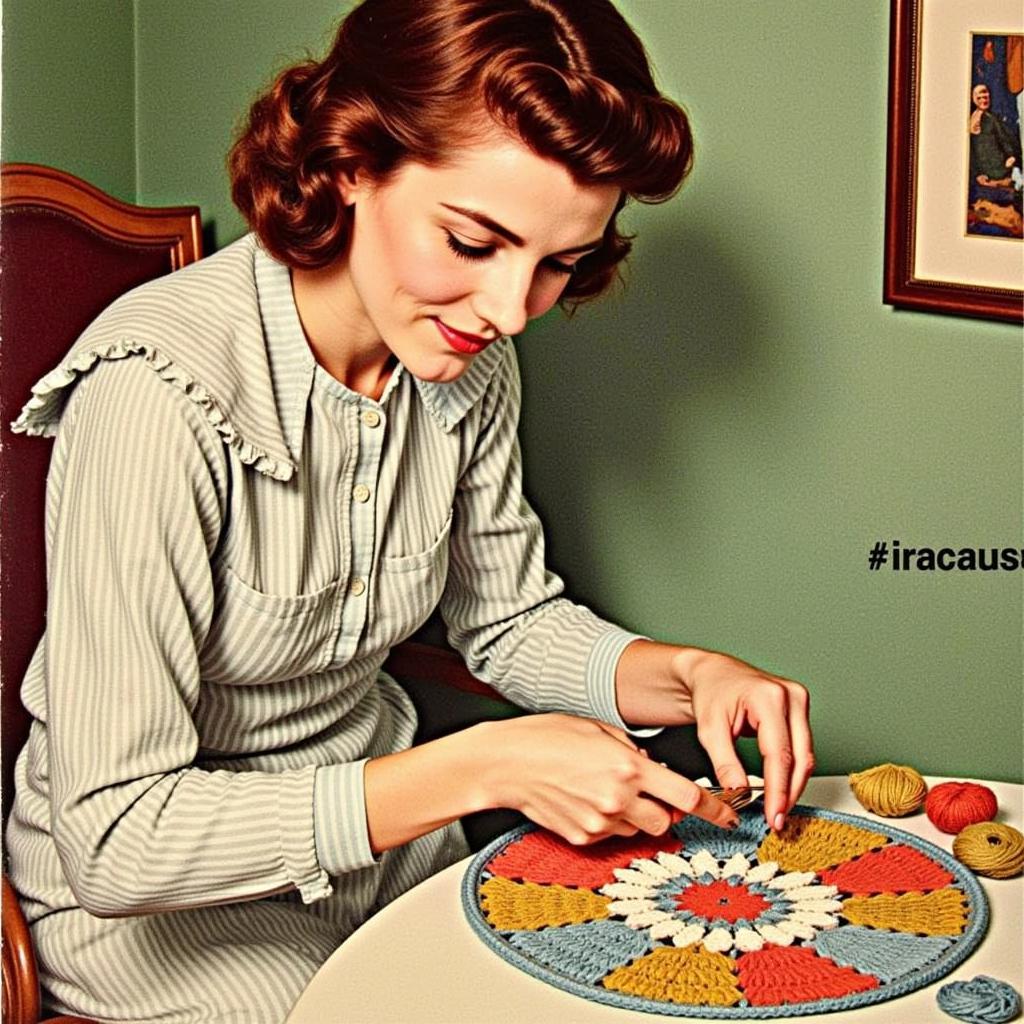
(983, 1000)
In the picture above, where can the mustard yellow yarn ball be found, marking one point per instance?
(991, 849)
(891, 790)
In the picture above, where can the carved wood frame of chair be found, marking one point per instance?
(177, 231)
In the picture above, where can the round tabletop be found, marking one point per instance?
(418, 960)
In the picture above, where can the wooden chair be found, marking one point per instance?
(68, 251)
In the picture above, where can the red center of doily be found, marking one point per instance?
(720, 899)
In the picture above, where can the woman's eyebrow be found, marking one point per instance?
(492, 225)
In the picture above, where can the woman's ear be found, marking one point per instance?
(353, 185)
(346, 186)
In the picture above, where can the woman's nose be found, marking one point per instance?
(503, 301)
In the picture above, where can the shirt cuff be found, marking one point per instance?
(339, 818)
(601, 666)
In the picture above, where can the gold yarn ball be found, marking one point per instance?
(891, 790)
(991, 849)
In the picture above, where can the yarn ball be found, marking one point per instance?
(991, 849)
(891, 790)
(952, 806)
(983, 1000)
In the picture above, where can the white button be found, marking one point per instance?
(361, 492)
(371, 418)
(357, 588)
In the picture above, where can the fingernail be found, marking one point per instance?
(780, 822)
(734, 823)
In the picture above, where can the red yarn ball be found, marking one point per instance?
(952, 806)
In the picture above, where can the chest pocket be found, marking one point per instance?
(408, 588)
(264, 638)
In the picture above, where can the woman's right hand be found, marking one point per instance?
(585, 780)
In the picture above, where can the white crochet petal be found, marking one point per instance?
(747, 940)
(737, 864)
(792, 880)
(823, 906)
(646, 918)
(688, 936)
(776, 936)
(763, 872)
(812, 918)
(718, 940)
(625, 891)
(703, 863)
(653, 869)
(622, 907)
(632, 877)
(811, 892)
(668, 928)
(676, 864)
(796, 929)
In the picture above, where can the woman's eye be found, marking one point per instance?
(561, 268)
(474, 252)
(467, 252)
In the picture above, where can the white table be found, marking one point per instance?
(419, 962)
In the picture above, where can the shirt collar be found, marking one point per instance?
(289, 356)
(292, 365)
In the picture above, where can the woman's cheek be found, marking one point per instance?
(431, 278)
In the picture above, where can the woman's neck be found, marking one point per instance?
(341, 338)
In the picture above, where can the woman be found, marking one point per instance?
(273, 465)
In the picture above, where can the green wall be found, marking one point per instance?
(69, 88)
(200, 65)
(749, 418)
(715, 449)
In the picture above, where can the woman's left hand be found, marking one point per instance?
(658, 684)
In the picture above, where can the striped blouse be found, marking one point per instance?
(235, 541)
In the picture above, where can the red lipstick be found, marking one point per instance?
(467, 344)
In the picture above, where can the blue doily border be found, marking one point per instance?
(978, 917)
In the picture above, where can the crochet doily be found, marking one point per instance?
(833, 913)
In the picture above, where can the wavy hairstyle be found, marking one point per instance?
(569, 78)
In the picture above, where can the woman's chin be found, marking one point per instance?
(441, 370)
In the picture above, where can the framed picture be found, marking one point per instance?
(955, 178)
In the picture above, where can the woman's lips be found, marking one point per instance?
(467, 344)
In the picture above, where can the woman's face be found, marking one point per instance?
(476, 247)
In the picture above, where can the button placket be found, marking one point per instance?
(367, 425)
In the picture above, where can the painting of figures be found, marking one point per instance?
(996, 177)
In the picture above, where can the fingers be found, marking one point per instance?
(776, 754)
(675, 791)
(640, 815)
(771, 712)
(595, 788)
(784, 739)
(651, 816)
(803, 745)
(716, 738)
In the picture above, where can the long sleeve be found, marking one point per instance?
(135, 510)
(502, 606)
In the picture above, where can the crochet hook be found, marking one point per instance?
(738, 797)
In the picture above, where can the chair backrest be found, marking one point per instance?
(67, 251)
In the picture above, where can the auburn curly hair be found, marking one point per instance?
(569, 78)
